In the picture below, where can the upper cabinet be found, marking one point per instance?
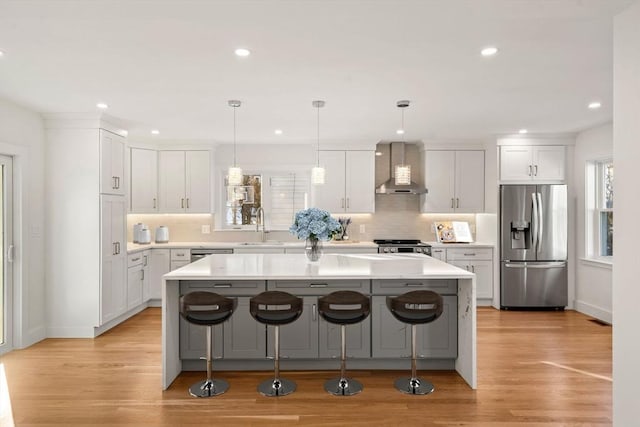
(454, 180)
(540, 163)
(349, 182)
(112, 149)
(185, 181)
(144, 180)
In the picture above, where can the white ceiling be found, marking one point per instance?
(170, 65)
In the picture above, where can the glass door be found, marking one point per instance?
(6, 254)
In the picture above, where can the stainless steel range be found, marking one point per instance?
(394, 246)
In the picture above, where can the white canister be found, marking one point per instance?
(145, 235)
(162, 234)
(136, 232)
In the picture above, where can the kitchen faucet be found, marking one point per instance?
(259, 221)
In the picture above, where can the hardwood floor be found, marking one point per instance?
(535, 369)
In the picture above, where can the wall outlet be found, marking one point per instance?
(362, 229)
(206, 229)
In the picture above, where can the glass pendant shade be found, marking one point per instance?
(234, 175)
(403, 174)
(317, 175)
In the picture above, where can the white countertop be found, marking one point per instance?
(330, 266)
(461, 245)
(135, 247)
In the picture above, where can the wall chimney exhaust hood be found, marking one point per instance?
(390, 186)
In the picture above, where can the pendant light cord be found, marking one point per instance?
(318, 137)
(403, 132)
(234, 136)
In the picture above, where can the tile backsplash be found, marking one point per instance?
(396, 216)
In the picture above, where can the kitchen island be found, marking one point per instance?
(380, 275)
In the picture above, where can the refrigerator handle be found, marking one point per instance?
(534, 222)
(540, 222)
(541, 265)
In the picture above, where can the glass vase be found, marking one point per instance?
(313, 249)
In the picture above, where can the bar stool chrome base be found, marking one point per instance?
(414, 386)
(276, 387)
(343, 386)
(208, 388)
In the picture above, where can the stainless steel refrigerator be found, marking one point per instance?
(533, 246)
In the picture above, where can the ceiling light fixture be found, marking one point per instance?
(400, 131)
(102, 105)
(523, 131)
(489, 51)
(278, 131)
(242, 52)
(594, 105)
(403, 171)
(1, 54)
(155, 132)
(378, 153)
(234, 174)
(318, 172)
(124, 132)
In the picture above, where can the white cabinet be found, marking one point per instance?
(144, 180)
(532, 163)
(135, 281)
(185, 181)
(180, 258)
(111, 163)
(475, 260)
(349, 182)
(159, 265)
(454, 180)
(113, 291)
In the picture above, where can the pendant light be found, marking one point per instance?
(318, 172)
(402, 171)
(234, 175)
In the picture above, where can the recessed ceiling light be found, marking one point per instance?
(594, 105)
(1, 54)
(124, 132)
(378, 153)
(241, 51)
(523, 131)
(400, 131)
(155, 132)
(489, 51)
(278, 131)
(102, 105)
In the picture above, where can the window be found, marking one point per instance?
(279, 194)
(600, 208)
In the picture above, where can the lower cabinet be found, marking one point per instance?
(160, 264)
(475, 260)
(135, 278)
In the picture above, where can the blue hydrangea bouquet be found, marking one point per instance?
(315, 224)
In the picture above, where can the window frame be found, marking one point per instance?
(595, 206)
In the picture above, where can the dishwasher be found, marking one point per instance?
(197, 254)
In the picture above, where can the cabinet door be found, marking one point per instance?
(146, 276)
(440, 254)
(440, 181)
(113, 285)
(515, 163)
(330, 195)
(298, 340)
(134, 287)
(358, 339)
(193, 340)
(197, 182)
(244, 338)
(144, 180)
(469, 181)
(389, 337)
(177, 264)
(172, 181)
(111, 163)
(548, 163)
(360, 181)
(484, 278)
(159, 266)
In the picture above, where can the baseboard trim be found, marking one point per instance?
(592, 310)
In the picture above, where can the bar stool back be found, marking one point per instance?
(276, 308)
(414, 308)
(344, 308)
(207, 309)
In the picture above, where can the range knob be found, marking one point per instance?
(394, 249)
(385, 250)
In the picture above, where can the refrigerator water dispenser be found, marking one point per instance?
(520, 234)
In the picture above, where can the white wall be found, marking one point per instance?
(593, 281)
(22, 137)
(626, 154)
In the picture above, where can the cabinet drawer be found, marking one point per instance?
(135, 259)
(223, 287)
(399, 286)
(180, 254)
(456, 254)
(318, 287)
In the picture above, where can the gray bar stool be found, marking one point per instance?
(276, 308)
(207, 309)
(344, 308)
(415, 308)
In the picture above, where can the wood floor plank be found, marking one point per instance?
(114, 380)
